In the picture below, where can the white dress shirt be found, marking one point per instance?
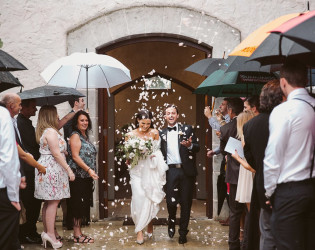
(10, 176)
(291, 141)
(173, 156)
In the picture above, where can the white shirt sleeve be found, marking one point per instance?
(10, 176)
(279, 128)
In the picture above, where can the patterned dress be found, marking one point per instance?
(54, 185)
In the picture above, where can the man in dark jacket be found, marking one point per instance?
(28, 231)
(235, 106)
(178, 146)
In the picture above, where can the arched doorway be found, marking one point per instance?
(146, 56)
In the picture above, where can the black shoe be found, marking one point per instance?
(171, 229)
(182, 239)
(30, 240)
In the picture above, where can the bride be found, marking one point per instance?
(147, 177)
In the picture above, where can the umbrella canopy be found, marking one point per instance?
(241, 63)
(300, 29)
(205, 67)
(9, 63)
(50, 95)
(7, 81)
(86, 70)
(234, 84)
(276, 49)
(250, 43)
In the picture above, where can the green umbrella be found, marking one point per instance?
(234, 84)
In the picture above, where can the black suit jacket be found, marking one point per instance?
(28, 137)
(187, 156)
(233, 166)
(256, 134)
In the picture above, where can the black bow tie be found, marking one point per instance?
(170, 129)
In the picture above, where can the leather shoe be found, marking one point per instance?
(171, 230)
(182, 239)
(30, 240)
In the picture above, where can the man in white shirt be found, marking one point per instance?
(9, 183)
(288, 162)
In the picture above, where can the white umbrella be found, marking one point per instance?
(86, 70)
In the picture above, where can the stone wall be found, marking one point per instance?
(38, 32)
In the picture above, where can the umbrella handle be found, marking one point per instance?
(212, 107)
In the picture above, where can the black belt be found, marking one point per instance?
(174, 165)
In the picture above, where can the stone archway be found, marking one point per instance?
(112, 27)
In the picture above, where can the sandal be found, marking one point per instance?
(59, 238)
(86, 239)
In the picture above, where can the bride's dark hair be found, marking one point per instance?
(144, 114)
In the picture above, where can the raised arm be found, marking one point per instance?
(75, 145)
(65, 119)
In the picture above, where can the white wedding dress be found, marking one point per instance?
(147, 179)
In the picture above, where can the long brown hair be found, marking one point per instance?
(47, 118)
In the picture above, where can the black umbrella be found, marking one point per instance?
(9, 63)
(276, 49)
(300, 29)
(241, 63)
(50, 95)
(207, 66)
(7, 81)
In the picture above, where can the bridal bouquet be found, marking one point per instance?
(136, 149)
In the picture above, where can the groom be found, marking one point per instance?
(178, 145)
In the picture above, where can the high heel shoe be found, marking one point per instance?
(46, 237)
(140, 242)
(149, 235)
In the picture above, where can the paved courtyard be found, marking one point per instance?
(112, 234)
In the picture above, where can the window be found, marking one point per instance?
(157, 82)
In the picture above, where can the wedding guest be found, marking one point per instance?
(245, 177)
(179, 146)
(12, 102)
(53, 186)
(9, 183)
(28, 231)
(252, 104)
(222, 117)
(76, 105)
(147, 175)
(289, 161)
(82, 155)
(235, 107)
(256, 134)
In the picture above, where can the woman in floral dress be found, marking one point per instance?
(53, 186)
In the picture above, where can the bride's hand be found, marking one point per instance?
(152, 156)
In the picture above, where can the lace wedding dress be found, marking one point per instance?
(147, 179)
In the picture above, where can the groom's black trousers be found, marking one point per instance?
(179, 189)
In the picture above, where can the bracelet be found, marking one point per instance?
(88, 170)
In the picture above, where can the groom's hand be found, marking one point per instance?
(186, 143)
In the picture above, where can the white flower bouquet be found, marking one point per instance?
(136, 149)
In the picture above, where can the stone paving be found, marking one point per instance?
(112, 234)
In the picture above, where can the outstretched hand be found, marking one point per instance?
(187, 143)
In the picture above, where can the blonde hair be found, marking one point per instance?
(242, 118)
(47, 118)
